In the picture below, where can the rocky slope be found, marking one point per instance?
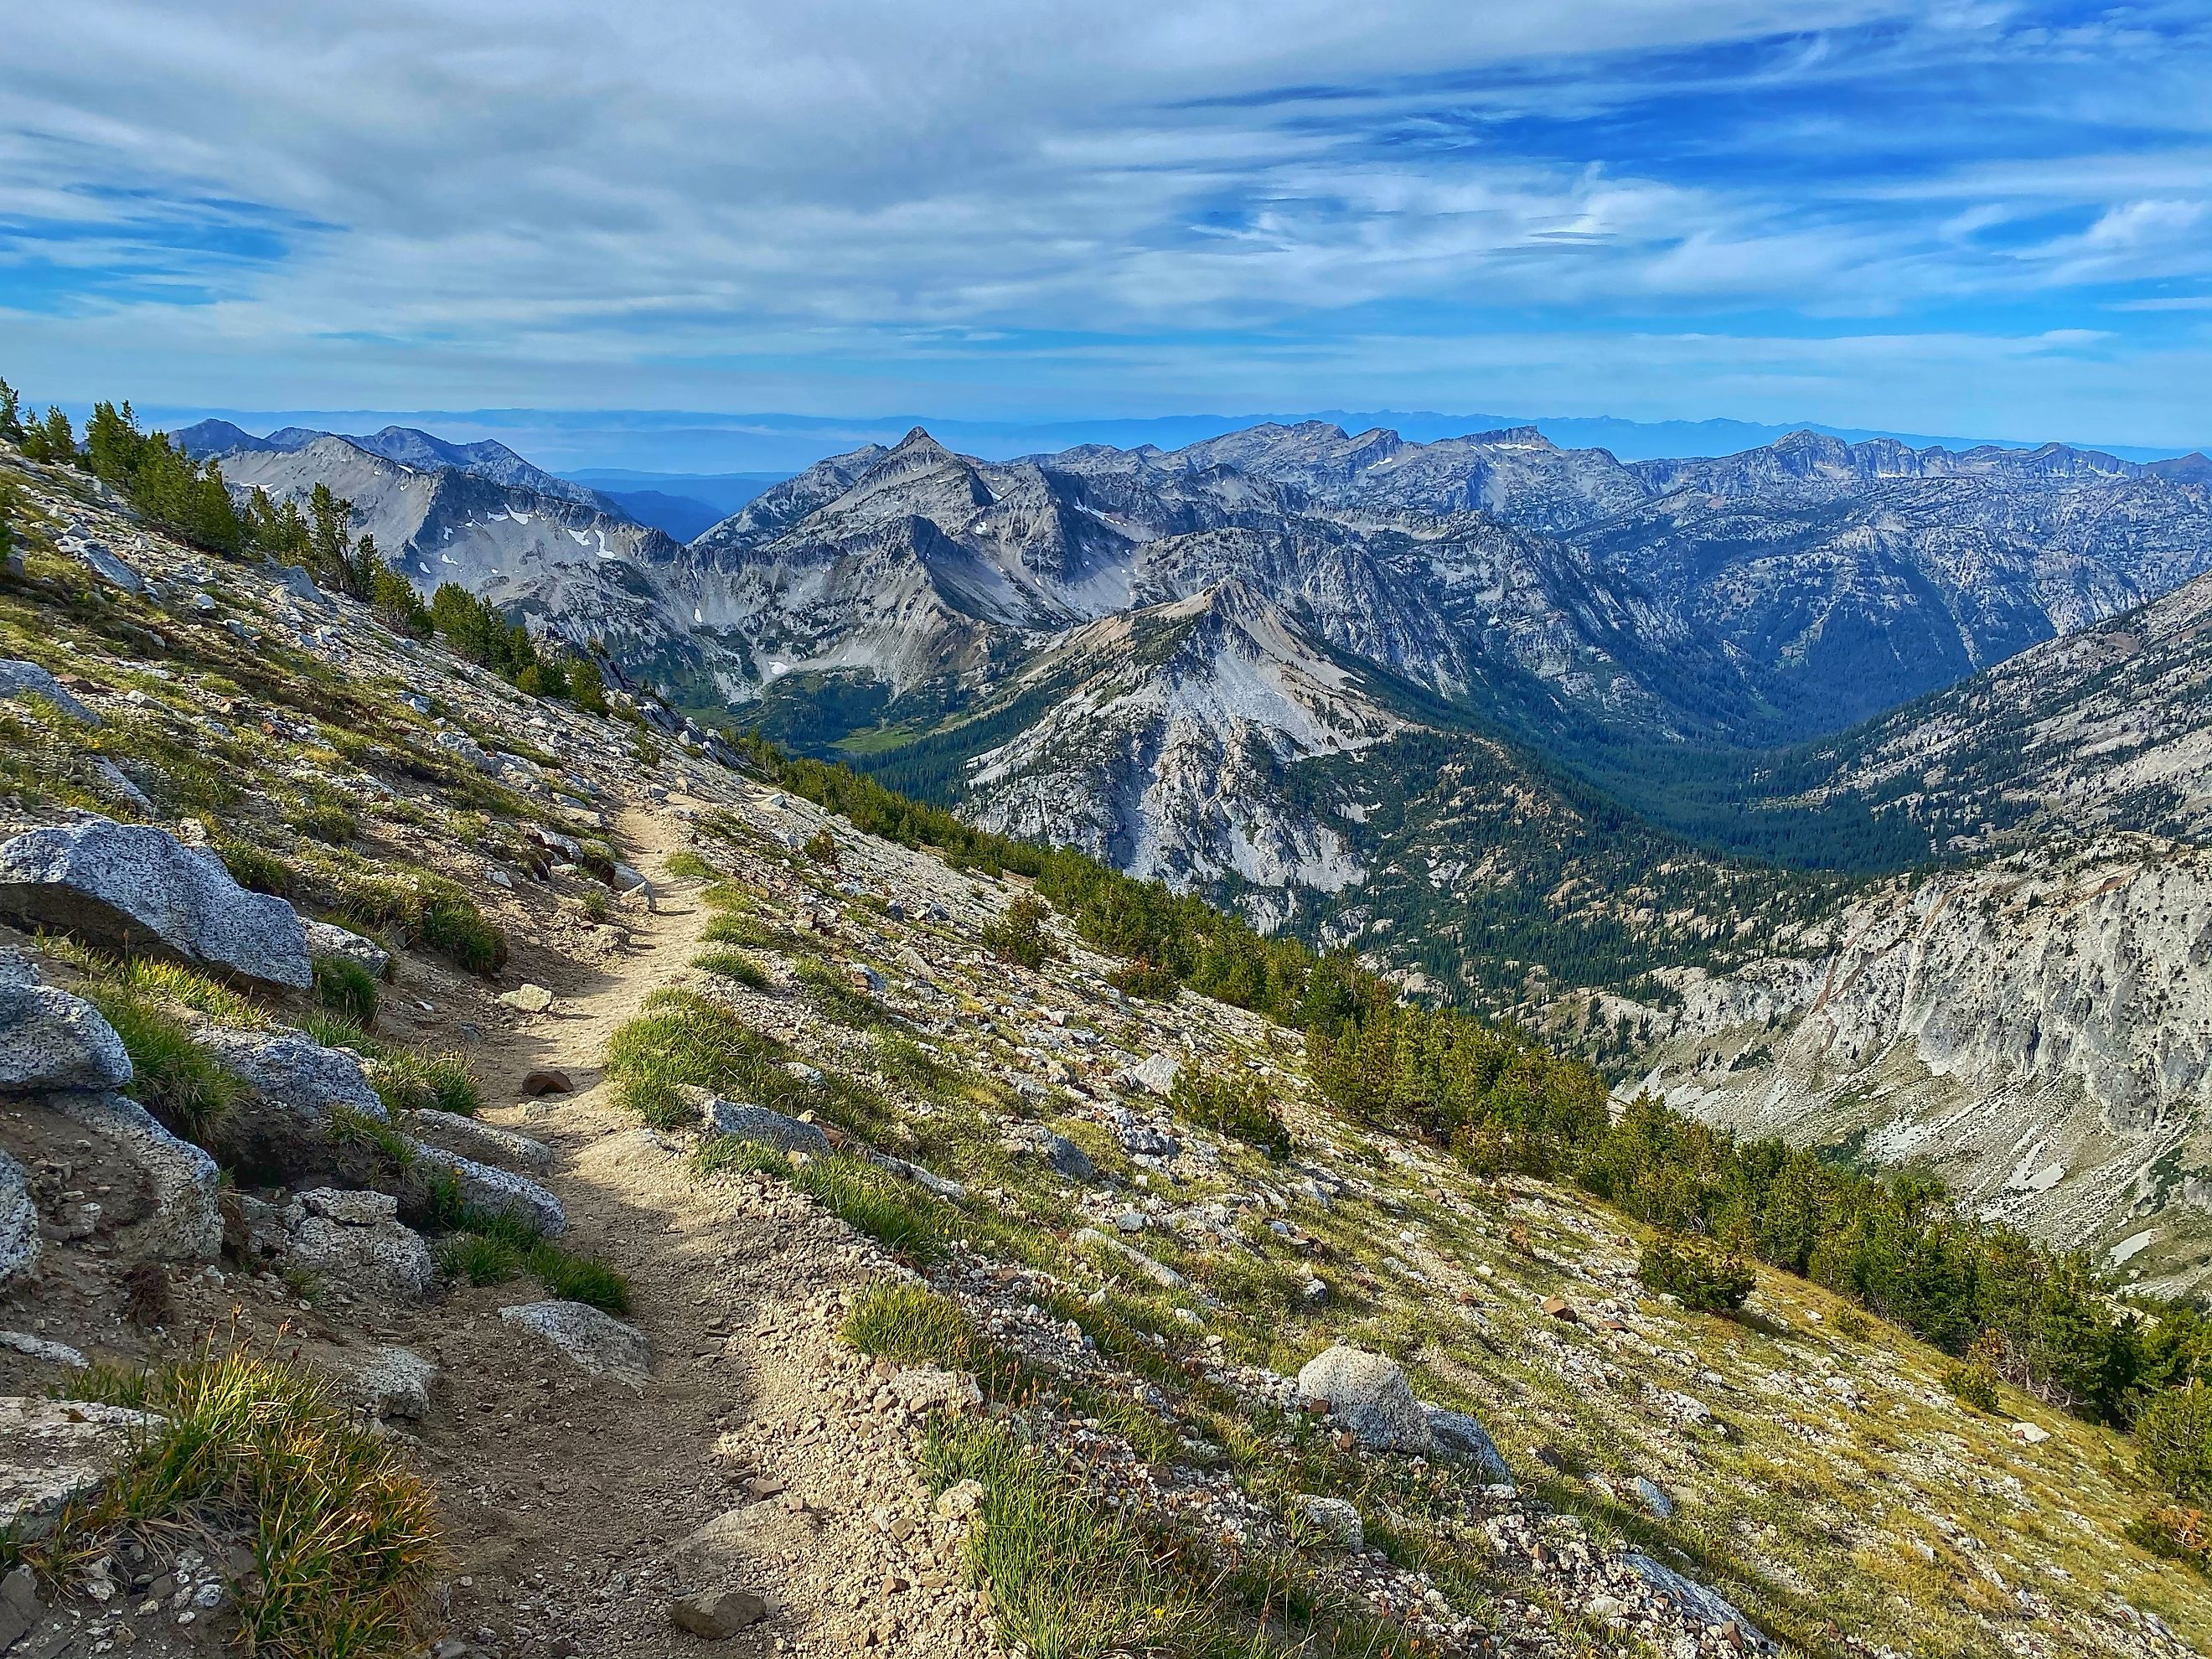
(2038, 1030)
(1242, 1390)
(2104, 729)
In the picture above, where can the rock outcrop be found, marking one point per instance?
(129, 887)
(50, 1039)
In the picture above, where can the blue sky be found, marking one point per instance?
(1986, 219)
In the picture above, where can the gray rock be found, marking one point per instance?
(180, 1220)
(292, 580)
(1702, 1604)
(54, 1450)
(715, 1614)
(496, 1192)
(1649, 1494)
(928, 1180)
(396, 1382)
(27, 679)
(598, 1342)
(327, 938)
(1158, 1272)
(119, 787)
(52, 1040)
(628, 880)
(294, 1085)
(20, 1610)
(719, 1117)
(1334, 1517)
(37, 1347)
(1457, 1435)
(356, 1237)
(19, 1221)
(1066, 1157)
(105, 566)
(485, 1142)
(1156, 1072)
(132, 885)
(1368, 1394)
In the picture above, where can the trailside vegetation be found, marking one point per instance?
(2045, 1321)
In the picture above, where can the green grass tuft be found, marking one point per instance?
(347, 989)
(1068, 1582)
(897, 1215)
(913, 1325)
(734, 965)
(344, 1535)
(176, 1079)
(478, 1259)
(688, 866)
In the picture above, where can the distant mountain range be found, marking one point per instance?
(1639, 751)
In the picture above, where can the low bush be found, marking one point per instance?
(1705, 1277)
(1237, 1106)
(344, 1535)
(1019, 935)
(2173, 1440)
(1974, 1383)
(1145, 979)
(2175, 1531)
(821, 848)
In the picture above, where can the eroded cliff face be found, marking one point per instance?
(2038, 1030)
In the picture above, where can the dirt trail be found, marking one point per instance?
(568, 1494)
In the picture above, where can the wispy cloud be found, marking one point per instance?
(572, 203)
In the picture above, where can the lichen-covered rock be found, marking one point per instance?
(131, 886)
(396, 1382)
(176, 1218)
(19, 1221)
(1368, 1394)
(52, 1040)
(327, 938)
(1457, 1435)
(598, 1342)
(719, 1117)
(495, 1192)
(54, 1450)
(356, 1237)
(485, 1142)
(27, 679)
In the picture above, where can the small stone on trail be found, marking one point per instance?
(529, 998)
(716, 1614)
(547, 1083)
